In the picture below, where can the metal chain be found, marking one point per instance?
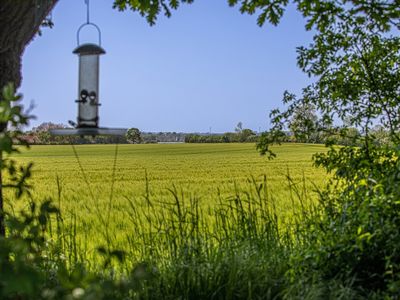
(87, 12)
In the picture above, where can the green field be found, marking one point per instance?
(205, 172)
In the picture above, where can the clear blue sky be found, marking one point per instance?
(206, 66)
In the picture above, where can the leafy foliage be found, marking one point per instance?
(12, 114)
(318, 14)
(354, 58)
(354, 239)
(150, 8)
(133, 136)
(22, 252)
(303, 123)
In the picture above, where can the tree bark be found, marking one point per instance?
(20, 21)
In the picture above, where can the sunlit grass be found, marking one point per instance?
(204, 172)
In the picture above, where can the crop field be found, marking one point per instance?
(98, 210)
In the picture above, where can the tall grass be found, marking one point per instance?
(244, 242)
(177, 249)
(239, 248)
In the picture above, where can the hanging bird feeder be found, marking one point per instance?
(88, 90)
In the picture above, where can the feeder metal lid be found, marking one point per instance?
(89, 49)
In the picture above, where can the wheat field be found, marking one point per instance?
(102, 204)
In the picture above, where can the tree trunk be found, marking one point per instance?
(20, 20)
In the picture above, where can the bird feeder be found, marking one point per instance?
(88, 91)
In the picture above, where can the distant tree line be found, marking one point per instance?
(345, 136)
(241, 135)
(163, 137)
(303, 128)
(228, 137)
(41, 135)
